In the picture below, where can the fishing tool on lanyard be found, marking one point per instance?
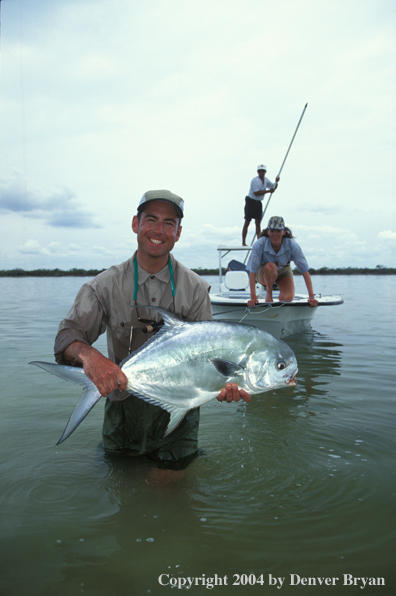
(150, 325)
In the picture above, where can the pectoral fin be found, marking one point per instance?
(227, 368)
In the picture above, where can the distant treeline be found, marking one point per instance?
(75, 272)
(51, 273)
(379, 270)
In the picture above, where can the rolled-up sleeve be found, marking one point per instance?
(85, 322)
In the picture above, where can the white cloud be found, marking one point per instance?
(100, 105)
(59, 207)
(55, 247)
(32, 247)
(96, 67)
(387, 235)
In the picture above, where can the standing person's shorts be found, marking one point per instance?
(253, 209)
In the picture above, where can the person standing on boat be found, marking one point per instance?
(150, 276)
(269, 262)
(259, 186)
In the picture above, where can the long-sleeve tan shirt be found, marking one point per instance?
(104, 304)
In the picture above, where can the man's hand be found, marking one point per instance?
(231, 392)
(104, 373)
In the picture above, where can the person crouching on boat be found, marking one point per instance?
(270, 260)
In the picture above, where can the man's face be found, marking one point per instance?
(158, 229)
(261, 174)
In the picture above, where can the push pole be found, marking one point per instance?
(283, 163)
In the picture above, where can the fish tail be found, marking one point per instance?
(73, 374)
(89, 398)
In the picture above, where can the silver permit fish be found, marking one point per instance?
(186, 364)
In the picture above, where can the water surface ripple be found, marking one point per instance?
(301, 480)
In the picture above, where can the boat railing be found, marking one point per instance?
(224, 251)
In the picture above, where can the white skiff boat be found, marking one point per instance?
(279, 318)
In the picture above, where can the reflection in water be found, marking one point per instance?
(318, 359)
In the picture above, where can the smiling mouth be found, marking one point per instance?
(155, 241)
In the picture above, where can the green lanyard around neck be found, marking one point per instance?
(136, 278)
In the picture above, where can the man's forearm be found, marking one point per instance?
(76, 352)
(102, 371)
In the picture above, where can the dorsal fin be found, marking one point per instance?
(169, 318)
(171, 322)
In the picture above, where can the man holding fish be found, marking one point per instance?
(151, 276)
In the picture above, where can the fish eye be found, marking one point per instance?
(281, 364)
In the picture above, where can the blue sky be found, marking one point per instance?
(102, 101)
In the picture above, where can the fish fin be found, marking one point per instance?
(89, 398)
(73, 374)
(226, 367)
(176, 414)
(161, 331)
(169, 318)
(170, 321)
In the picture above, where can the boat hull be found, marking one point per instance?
(282, 319)
(279, 318)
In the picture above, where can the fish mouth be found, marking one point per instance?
(291, 379)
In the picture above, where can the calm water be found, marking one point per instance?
(300, 481)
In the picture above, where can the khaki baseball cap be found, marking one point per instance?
(162, 195)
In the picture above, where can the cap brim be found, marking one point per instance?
(177, 208)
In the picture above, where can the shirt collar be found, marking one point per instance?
(163, 275)
(271, 250)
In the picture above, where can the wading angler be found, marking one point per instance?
(153, 382)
